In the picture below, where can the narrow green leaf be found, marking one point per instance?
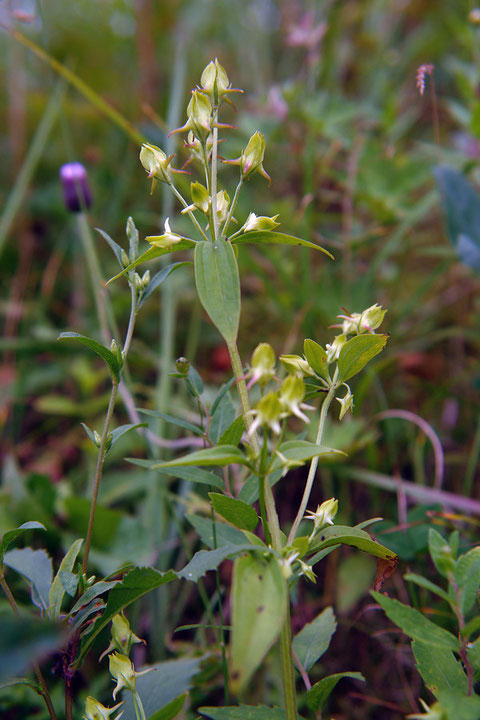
(69, 581)
(97, 348)
(355, 537)
(170, 711)
(205, 560)
(439, 669)
(36, 567)
(57, 590)
(218, 285)
(314, 638)
(115, 247)
(259, 603)
(428, 585)
(92, 592)
(357, 352)
(320, 692)
(233, 434)
(220, 455)
(155, 252)
(158, 279)
(414, 624)
(440, 552)
(222, 418)
(179, 422)
(235, 511)
(268, 237)
(134, 585)
(10, 535)
(121, 430)
(221, 393)
(192, 474)
(316, 358)
(301, 451)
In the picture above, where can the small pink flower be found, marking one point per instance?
(422, 71)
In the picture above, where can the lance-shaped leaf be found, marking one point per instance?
(192, 474)
(159, 278)
(57, 590)
(155, 252)
(320, 692)
(267, 237)
(355, 537)
(218, 285)
(10, 535)
(106, 354)
(220, 455)
(115, 247)
(357, 352)
(235, 511)
(299, 451)
(259, 603)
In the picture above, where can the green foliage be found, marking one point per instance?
(314, 638)
(235, 511)
(319, 693)
(107, 355)
(357, 352)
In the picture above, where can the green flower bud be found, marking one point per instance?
(215, 83)
(333, 350)
(97, 438)
(156, 162)
(200, 197)
(263, 364)
(323, 515)
(255, 222)
(346, 403)
(292, 393)
(199, 111)
(268, 413)
(251, 159)
(132, 235)
(122, 672)
(372, 318)
(296, 365)
(125, 259)
(145, 278)
(122, 636)
(182, 365)
(94, 710)
(165, 241)
(137, 282)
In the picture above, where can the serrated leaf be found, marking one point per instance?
(234, 433)
(134, 585)
(357, 352)
(36, 567)
(314, 638)
(205, 560)
(235, 511)
(10, 535)
(316, 358)
(416, 625)
(320, 692)
(57, 591)
(220, 455)
(259, 603)
(267, 237)
(152, 253)
(355, 537)
(439, 669)
(158, 279)
(179, 422)
(115, 247)
(218, 285)
(103, 352)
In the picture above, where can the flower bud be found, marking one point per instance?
(255, 222)
(268, 413)
(94, 710)
(251, 159)
(296, 365)
(200, 197)
(323, 515)
(346, 403)
(214, 82)
(372, 318)
(125, 259)
(333, 350)
(155, 162)
(145, 279)
(263, 364)
(182, 365)
(123, 672)
(97, 438)
(199, 111)
(291, 395)
(76, 191)
(132, 235)
(137, 282)
(165, 241)
(122, 636)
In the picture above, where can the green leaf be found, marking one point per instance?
(259, 603)
(428, 585)
(123, 429)
(36, 567)
(458, 706)
(205, 560)
(24, 639)
(10, 535)
(69, 581)
(218, 285)
(440, 552)
(320, 692)
(192, 474)
(57, 590)
(301, 451)
(267, 237)
(115, 247)
(162, 686)
(221, 393)
(221, 419)
(92, 592)
(233, 434)
(235, 511)
(250, 490)
(220, 455)
(357, 352)
(106, 354)
(467, 577)
(316, 358)
(414, 624)
(243, 712)
(355, 537)
(158, 279)
(152, 253)
(473, 653)
(224, 534)
(179, 422)
(170, 711)
(314, 638)
(134, 585)
(439, 669)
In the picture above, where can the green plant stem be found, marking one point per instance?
(220, 614)
(314, 463)
(36, 667)
(214, 222)
(138, 705)
(102, 451)
(263, 510)
(190, 213)
(288, 672)
(242, 391)
(232, 206)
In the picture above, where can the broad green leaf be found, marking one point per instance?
(458, 706)
(235, 511)
(157, 689)
(428, 585)
(134, 585)
(268, 237)
(301, 451)
(57, 590)
(92, 592)
(170, 711)
(233, 434)
(218, 285)
(36, 567)
(205, 560)
(243, 712)
(416, 625)
(106, 354)
(115, 247)
(24, 639)
(259, 603)
(316, 358)
(10, 535)
(355, 537)
(314, 638)
(224, 534)
(158, 279)
(220, 455)
(320, 692)
(179, 422)
(439, 669)
(152, 253)
(221, 419)
(192, 474)
(357, 352)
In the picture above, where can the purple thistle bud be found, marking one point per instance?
(76, 191)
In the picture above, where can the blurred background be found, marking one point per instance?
(369, 156)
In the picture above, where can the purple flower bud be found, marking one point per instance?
(76, 192)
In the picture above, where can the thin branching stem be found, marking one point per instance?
(190, 213)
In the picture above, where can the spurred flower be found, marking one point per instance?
(94, 710)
